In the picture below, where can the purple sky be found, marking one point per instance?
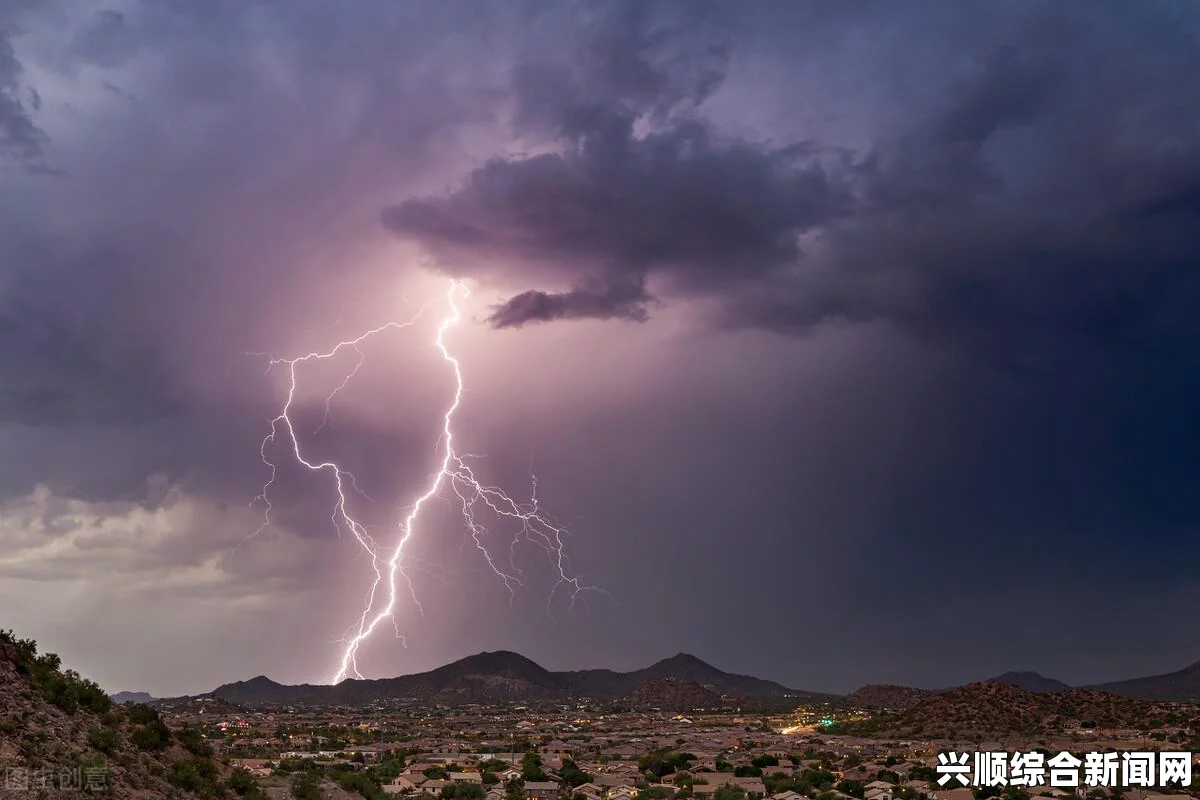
(853, 342)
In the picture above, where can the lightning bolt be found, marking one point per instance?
(454, 477)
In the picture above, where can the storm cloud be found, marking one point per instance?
(1043, 201)
(913, 283)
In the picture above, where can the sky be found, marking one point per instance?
(851, 342)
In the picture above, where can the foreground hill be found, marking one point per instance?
(982, 711)
(1182, 684)
(502, 676)
(61, 733)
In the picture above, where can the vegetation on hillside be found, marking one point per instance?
(56, 720)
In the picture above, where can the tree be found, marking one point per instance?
(851, 787)
(515, 790)
(729, 793)
(463, 791)
(531, 767)
(922, 773)
(572, 774)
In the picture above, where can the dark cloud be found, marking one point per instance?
(1010, 219)
(612, 302)
(702, 212)
(21, 140)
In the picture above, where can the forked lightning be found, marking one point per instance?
(454, 475)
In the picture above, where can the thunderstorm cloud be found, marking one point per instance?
(914, 283)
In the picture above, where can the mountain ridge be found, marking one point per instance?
(1180, 685)
(503, 675)
(507, 676)
(1030, 681)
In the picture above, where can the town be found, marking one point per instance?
(583, 752)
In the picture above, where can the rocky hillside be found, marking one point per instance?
(671, 694)
(886, 697)
(981, 711)
(59, 731)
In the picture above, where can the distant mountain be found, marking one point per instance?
(1182, 684)
(131, 697)
(1030, 682)
(505, 676)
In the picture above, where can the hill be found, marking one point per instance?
(887, 697)
(672, 694)
(1030, 682)
(989, 710)
(132, 697)
(502, 676)
(61, 732)
(1182, 684)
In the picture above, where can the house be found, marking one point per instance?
(878, 794)
(788, 795)
(508, 775)
(541, 790)
(588, 790)
(399, 785)
(623, 793)
(466, 777)
(751, 785)
(954, 794)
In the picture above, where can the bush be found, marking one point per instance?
(193, 740)
(197, 776)
(152, 736)
(306, 787)
(105, 740)
(361, 783)
(141, 714)
(242, 782)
